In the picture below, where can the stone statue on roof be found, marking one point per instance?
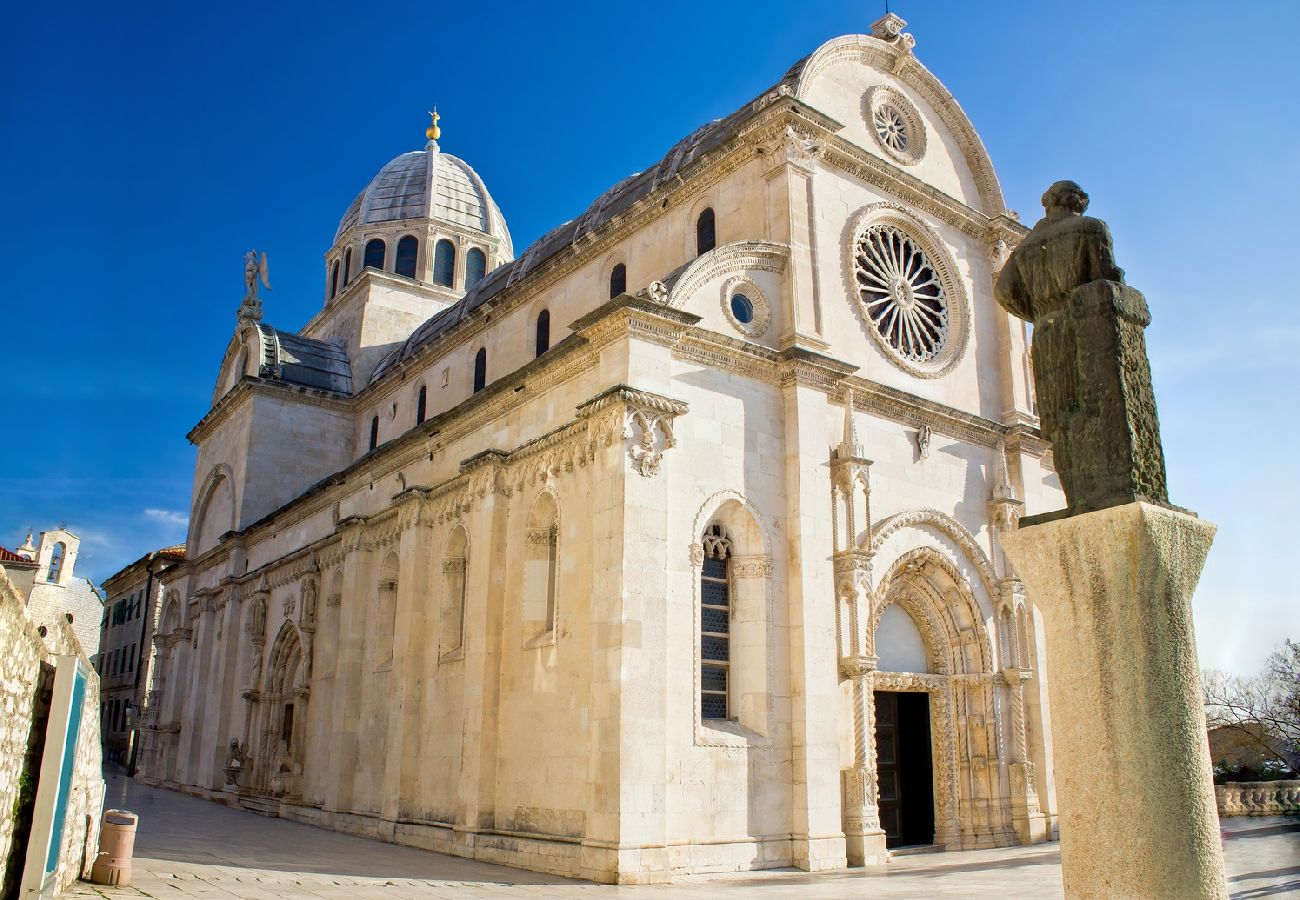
(1091, 370)
(255, 268)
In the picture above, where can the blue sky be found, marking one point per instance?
(148, 145)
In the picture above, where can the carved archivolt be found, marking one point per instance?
(730, 259)
(945, 525)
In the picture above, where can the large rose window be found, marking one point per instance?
(901, 293)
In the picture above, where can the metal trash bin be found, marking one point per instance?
(116, 844)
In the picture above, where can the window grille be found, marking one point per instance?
(408, 248)
(715, 624)
(444, 263)
(475, 267)
(375, 252)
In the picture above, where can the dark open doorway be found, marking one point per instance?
(903, 768)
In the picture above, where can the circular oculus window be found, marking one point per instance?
(902, 295)
(746, 307)
(896, 124)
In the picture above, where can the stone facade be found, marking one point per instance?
(131, 609)
(473, 603)
(24, 651)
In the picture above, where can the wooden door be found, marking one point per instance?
(887, 762)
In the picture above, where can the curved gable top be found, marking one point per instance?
(813, 84)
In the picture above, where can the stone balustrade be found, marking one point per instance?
(1258, 798)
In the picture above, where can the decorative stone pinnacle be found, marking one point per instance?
(888, 27)
(1002, 489)
(849, 447)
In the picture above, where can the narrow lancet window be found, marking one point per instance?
(475, 267)
(334, 280)
(444, 263)
(420, 404)
(480, 369)
(543, 342)
(705, 236)
(618, 281)
(715, 624)
(374, 432)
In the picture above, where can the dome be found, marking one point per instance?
(428, 184)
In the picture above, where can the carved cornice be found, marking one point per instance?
(809, 369)
(627, 317)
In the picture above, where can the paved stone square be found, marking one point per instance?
(190, 847)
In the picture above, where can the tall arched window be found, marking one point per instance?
(408, 248)
(444, 263)
(334, 280)
(475, 267)
(420, 404)
(347, 266)
(618, 281)
(715, 624)
(375, 252)
(705, 236)
(543, 336)
(480, 369)
(374, 432)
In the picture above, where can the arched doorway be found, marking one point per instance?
(282, 717)
(925, 617)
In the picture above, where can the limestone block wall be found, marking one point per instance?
(22, 651)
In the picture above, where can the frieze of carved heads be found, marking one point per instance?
(541, 536)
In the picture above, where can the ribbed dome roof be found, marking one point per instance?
(428, 184)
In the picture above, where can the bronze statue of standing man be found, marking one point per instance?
(1091, 370)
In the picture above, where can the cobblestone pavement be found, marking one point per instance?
(188, 847)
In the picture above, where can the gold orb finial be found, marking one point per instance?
(433, 132)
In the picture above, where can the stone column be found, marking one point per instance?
(1133, 777)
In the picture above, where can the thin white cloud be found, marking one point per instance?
(167, 517)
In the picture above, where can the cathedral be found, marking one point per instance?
(667, 545)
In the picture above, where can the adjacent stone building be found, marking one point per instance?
(669, 545)
(133, 602)
(44, 574)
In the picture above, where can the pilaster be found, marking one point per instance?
(342, 767)
(414, 656)
(818, 835)
(791, 220)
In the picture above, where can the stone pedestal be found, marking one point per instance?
(1132, 763)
